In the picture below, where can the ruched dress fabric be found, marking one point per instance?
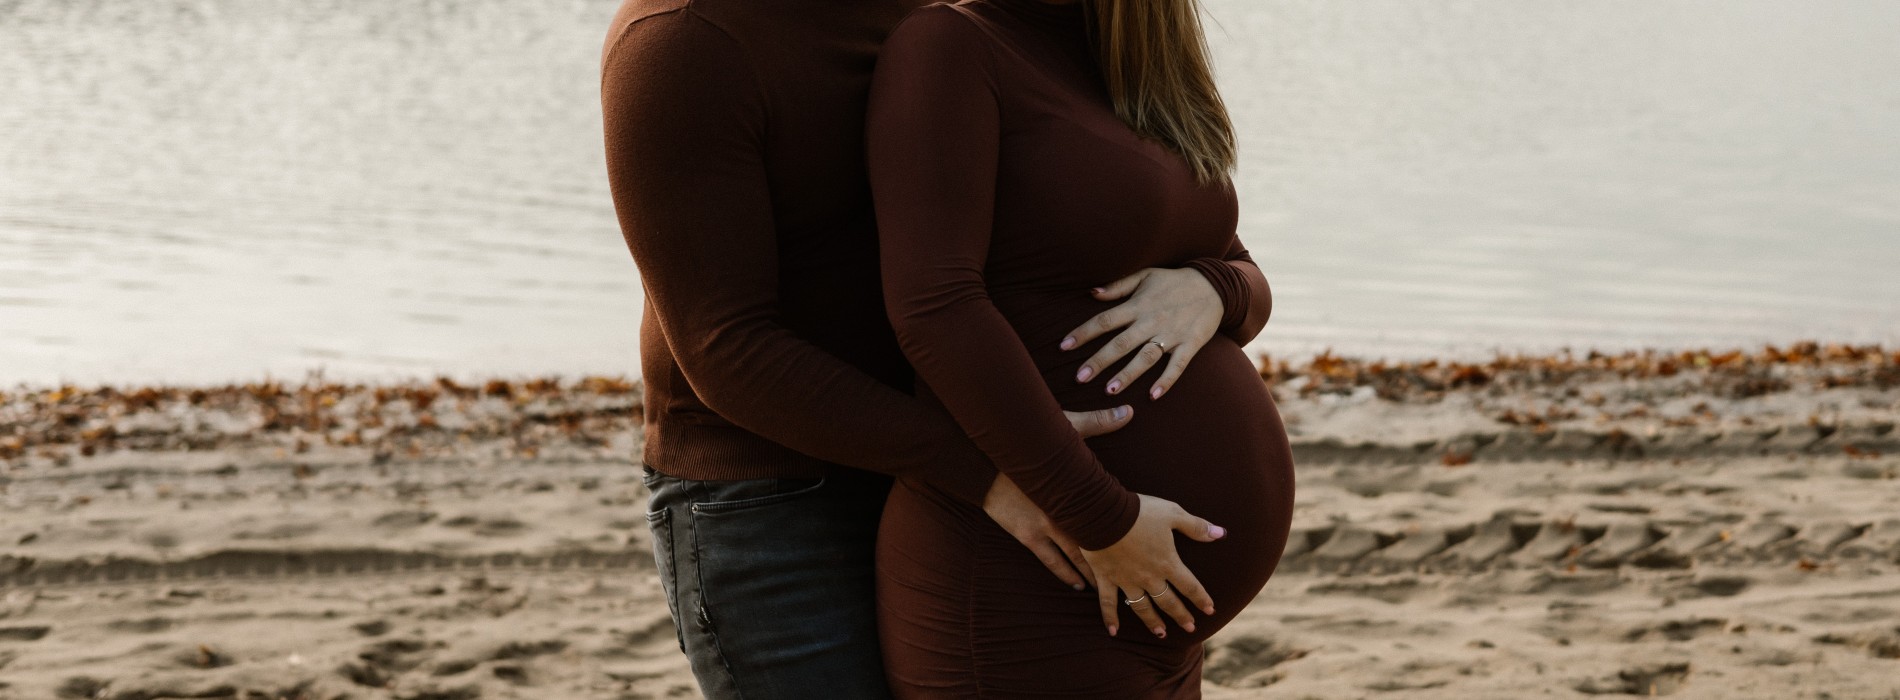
(1005, 188)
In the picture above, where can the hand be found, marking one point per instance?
(1011, 508)
(1144, 567)
(1176, 307)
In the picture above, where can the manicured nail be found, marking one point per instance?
(1084, 374)
(1155, 393)
(1068, 343)
(1217, 531)
(1099, 290)
(1121, 412)
(1112, 630)
(1189, 627)
(1115, 387)
(1077, 586)
(1160, 632)
(1209, 610)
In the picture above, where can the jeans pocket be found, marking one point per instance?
(734, 497)
(786, 581)
(660, 523)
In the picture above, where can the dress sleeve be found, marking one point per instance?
(684, 118)
(1246, 300)
(933, 136)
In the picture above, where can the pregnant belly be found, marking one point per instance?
(1217, 426)
(1215, 445)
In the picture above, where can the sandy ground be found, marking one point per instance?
(1714, 544)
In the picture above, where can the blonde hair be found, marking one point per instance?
(1160, 77)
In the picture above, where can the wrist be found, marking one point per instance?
(1229, 296)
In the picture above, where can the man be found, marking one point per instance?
(734, 133)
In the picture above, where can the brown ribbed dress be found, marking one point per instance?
(1004, 184)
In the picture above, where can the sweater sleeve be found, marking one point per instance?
(1246, 300)
(684, 117)
(933, 137)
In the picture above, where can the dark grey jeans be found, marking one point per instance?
(770, 582)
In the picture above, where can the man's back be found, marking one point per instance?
(770, 96)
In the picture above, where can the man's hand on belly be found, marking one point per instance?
(1011, 508)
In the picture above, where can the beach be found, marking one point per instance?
(1696, 524)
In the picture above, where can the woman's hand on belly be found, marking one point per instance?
(1169, 312)
(1144, 570)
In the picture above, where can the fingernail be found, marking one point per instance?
(1189, 627)
(1112, 630)
(1159, 632)
(1217, 531)
(1209, 610)
(1068, 343)
(1155, 393)
(1121, 412)
(1078, 586)
(1115, 387)
(1084, 374)
(1099, 290)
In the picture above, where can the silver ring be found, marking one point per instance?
(1157, 343)
(1137, 600)
(1157, 595)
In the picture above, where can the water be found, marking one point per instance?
(206, 190)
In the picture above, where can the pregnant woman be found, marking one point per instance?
(1023, 152)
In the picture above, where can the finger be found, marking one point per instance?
(1145, 358)
(1170, 603)
(1111, 352)
(1101, 422)
(1057, 562)
(1177, 363)
(1145, 609)
(1105, 597)
(1189, 588)
(1198, 529)
(1074, 553)
(1095, 327)
(1122, 287)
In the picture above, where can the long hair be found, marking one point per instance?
(1159, 75)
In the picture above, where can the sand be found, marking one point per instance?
(1647, 533)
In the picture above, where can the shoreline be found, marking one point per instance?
(1650, 402)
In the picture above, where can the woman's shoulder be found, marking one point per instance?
(945, 30)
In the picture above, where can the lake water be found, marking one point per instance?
(207, 190)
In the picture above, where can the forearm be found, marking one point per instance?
(764, 378)
(973, 362)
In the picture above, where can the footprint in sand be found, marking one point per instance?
(1675, 630)
(24, 633)
(1248, 661)
(1647, 680)
(404, 519)
(1879, 643)
(1411, 552)
(1617, 544)
(1498, 537)
(1346, 546)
